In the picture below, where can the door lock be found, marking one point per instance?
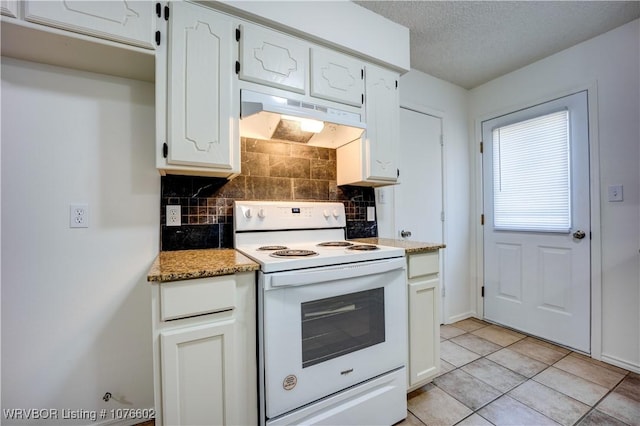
(579, 235)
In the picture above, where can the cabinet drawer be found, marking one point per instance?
(196, 297)
(423, 264)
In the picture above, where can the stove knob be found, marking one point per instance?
(261, 213)
(247, 213)
(325, 213)
(335, 214)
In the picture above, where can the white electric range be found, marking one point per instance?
(332, 316)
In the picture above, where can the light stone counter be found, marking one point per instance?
(190, 264)
(410, 247)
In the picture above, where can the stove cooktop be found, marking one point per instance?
(306, 235)
(311, 255)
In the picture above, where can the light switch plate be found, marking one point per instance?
(615, 193)
(371, 214)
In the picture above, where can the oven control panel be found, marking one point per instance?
(282, 215)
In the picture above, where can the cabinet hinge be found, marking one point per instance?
(442, 216)
(362, 96)
(441, 140)
(482, 219)
(165, 150)
(237, 34)
(237, 67)
(482, 292)
(397, 172)
(158, 38)
(159, 10)
(396, 84)
(362, 74)
(481, 147)
(444, 291)
(166, 13)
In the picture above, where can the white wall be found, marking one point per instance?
(76, 317)
(442, 99)
(611, 62)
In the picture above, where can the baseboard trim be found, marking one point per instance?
(460, 317)
(610, 359)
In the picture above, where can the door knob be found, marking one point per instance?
(579, 235)
(405, 234)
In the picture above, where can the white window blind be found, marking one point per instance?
(531, 175)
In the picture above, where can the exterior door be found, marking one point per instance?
(537, 223)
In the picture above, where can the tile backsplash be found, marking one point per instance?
(270, 171)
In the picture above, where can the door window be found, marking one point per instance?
(531, 175)
(339, 325)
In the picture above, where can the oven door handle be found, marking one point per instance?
(320, 275)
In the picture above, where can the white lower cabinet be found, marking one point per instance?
(424, 318)
(205, 364)
(9, 7)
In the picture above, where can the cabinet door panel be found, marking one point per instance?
(336, 77)
(9, 7)
(424, 337)
(197, 375)
(271, 58)
(202, 128)
(129, 22)
(383, 118)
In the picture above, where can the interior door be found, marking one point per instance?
(418, 194)
(537, 224)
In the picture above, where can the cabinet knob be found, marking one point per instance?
(405, 234)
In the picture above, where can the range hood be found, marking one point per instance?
(276, 118)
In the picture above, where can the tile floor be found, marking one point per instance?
(493, 375)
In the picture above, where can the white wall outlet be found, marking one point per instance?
(173, 215)
(615, 192)
(79, 216)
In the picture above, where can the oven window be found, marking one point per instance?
(339, 325)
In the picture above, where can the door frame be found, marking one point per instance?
(594, 207)
(442, 116)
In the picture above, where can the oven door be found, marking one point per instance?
(326, 329)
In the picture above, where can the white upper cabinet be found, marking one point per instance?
(383, 123)
(202, 94)
(273, 59)
(131, 22)
(336, 77)
(371, 160)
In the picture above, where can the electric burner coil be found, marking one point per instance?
(335, 244)
(294, 253)
(363, 247)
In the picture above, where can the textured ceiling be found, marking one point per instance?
(471, 42)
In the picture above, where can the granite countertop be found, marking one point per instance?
(410, 247)
(190, 264)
